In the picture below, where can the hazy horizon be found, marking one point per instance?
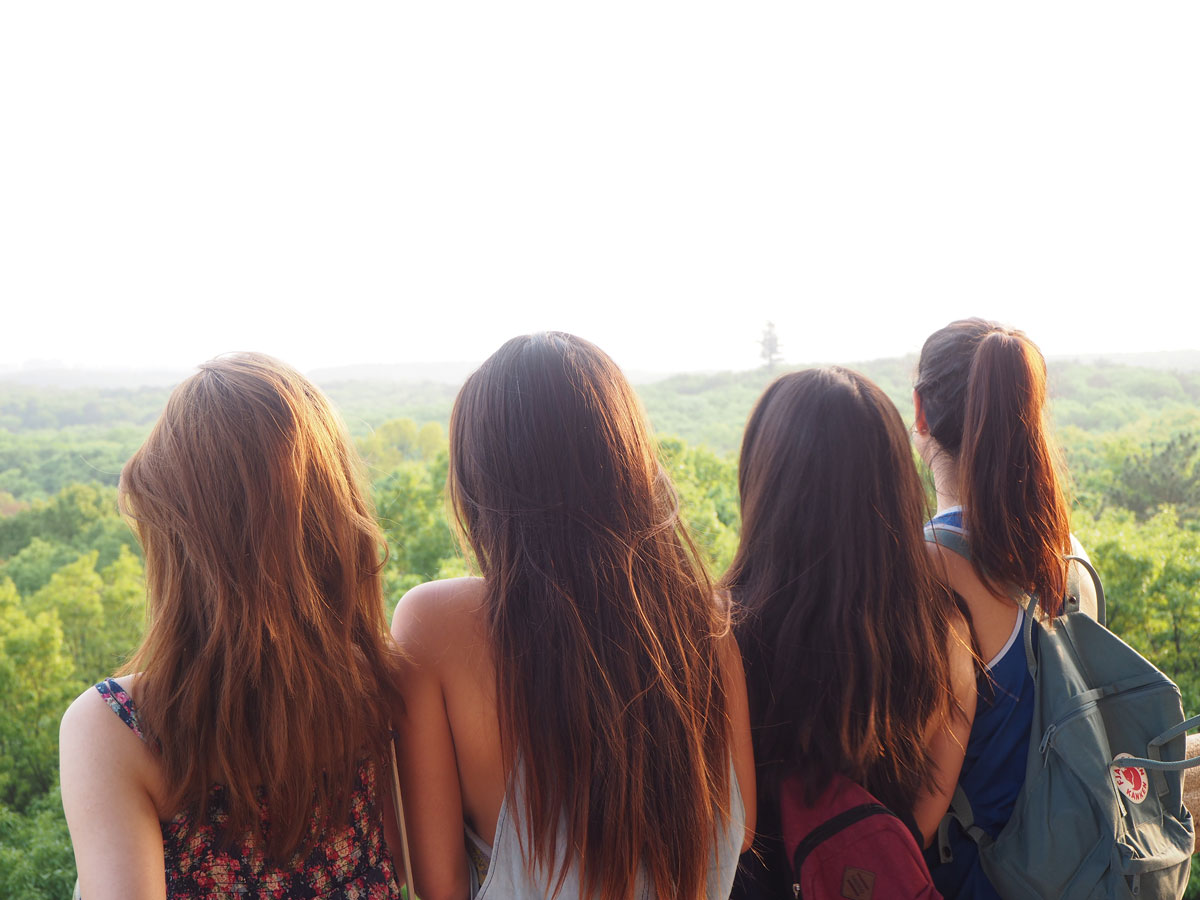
(751, 361)
(45, 373)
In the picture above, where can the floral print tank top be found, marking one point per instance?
(351, 862)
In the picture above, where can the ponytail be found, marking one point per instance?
(1015, 508)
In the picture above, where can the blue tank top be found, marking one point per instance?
(993, 769)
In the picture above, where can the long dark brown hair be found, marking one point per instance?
(266, 666)
(602, 619)
(983, 392)
(842, 622)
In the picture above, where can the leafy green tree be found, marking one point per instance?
(101, 612)
(401, 440)
(36, 862)
(74, 595)
(38, 464)
(123, 605)
(431, 440)
(390, 444)
(80, 516)
(1151, 575)
(37, 682)
(708, 500)
(10, 504)
(410, 502)
(769, 347)
(33, 565)
(1162, 474)
(1093, 462)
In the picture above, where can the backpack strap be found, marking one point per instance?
(954, 540)
(1155, 760)
(960, 811)
(949, 537)
(1027, 635)
(1101, 611)
(1031, 610)
(832, 826)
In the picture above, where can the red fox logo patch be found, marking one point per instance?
(1130, 780)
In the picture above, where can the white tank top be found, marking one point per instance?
(498, 872)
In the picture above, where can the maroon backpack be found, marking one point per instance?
(849, 846)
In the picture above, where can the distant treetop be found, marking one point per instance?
(770, 346)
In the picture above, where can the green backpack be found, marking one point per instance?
(1101, 812)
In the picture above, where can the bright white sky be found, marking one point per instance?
(417, 181)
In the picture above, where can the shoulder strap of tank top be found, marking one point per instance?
(398, 809)
(121, 703)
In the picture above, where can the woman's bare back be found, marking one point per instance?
(451, 758)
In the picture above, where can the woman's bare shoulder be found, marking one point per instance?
(434, 618)
(958, 573)
(86, 714)
(90, 713)
(91, 728)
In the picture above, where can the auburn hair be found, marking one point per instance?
(603, 622)
(983, 392)
(266, 666)
(840, 617)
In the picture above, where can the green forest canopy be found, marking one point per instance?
(72, 591)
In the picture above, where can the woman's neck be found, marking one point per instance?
(944, 469)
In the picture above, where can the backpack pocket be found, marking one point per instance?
(1126, 829)
(1161, 874)
(1067, 853)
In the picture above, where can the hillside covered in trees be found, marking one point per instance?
(71, 576)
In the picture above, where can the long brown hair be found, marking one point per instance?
(842, 622)
(265, 667)
(983, 391)
(602, 619)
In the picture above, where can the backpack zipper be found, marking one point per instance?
(1048, 737)
(828, 829)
